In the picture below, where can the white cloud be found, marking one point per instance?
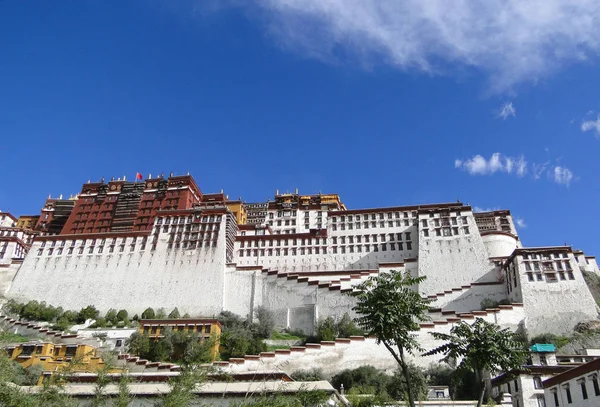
(479, 165)
(520, 222)
(562, 175)
(592, 125)
(511, 41)
(507, 110)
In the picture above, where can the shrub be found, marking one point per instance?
(148, 313)
(122, 315)
(311, 375)
(89, 312)
(266, 322)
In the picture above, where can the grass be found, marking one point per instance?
(8, 337)
(284, 336)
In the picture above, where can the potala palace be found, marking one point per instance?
(162, 243)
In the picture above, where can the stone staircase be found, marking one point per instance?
(347, 353)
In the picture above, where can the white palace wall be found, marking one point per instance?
(192, 280)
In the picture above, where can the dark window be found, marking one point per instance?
(71, 351)
(596, 386)
(583, 390)
(556, 404)
(568, 392)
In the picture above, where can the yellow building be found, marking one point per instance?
(205, 328)
(238, 210)
(56, 357)
(27, 221)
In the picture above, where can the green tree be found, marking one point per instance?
(389, 308)
(138, 344)
(346, 327)
(122, 315)
(311, 375)
(363, 379)
(325, 330)
(396, 387)
(124, 394)
(111, 317)
(161, 313)
(481, 347)
(148, 313)
(266, 321)
(174, 314)
(89, 312)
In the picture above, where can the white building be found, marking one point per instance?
(299, 255)
(577, 387)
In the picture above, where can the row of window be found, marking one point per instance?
(373, 216)
(91, 249)
(566, 389)
(323, 250)
(373, 224)
(160, 330)
(547, 265)
(545, 256)
(437, 222)
(186, 219)
(550, 277)
(446, 231)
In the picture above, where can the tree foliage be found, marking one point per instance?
(389, 308)
(481, 347)
(328, 329)
(176, 347)
(148, 313)
(311, 375)
(239, 336)
(265, 323)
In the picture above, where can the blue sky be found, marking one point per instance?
(494, 103)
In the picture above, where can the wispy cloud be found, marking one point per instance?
(592, 125)
(512, 41)
(520, 222)
(479, 165)
(562, 175)
(507, 110)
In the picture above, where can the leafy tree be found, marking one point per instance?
(186, 315)
(239, 337)
(136, 317)
(266, 321)
(397, 389)
(390, 309)
(482, 347)
(89, 312)
(111, 317)
(100, 323)
(124, 395)
(325, 330)
(174, 314)
(148, 313)
(138, 344)
(364, 379)
(311, 375)
(346, 327)
(161, 313)
(122, 315)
